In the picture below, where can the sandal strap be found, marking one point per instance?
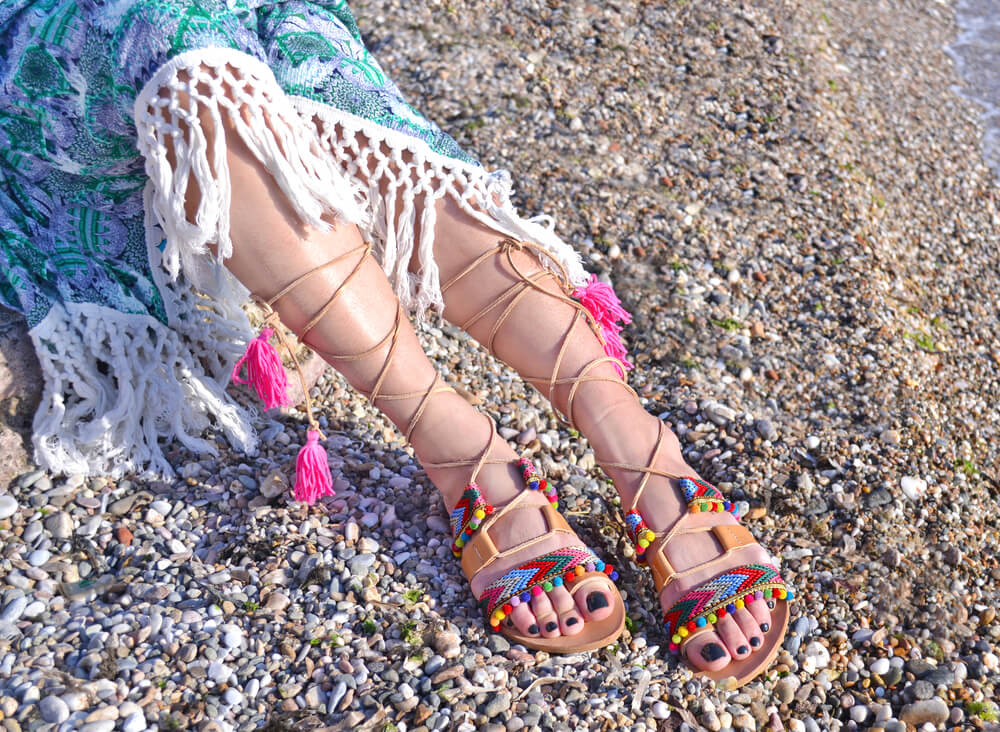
(527, 283)
(703, 606)
(541, 574)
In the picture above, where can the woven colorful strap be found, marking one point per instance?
(704, 497)
(703, 606)
(467, 516)
(539, 575)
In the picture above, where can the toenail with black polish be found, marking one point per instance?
(770, 604)
(551, 625)
(755, 641)
(572, 621)
(596, 600)
(532, 629)
(741, 650)
(765, 627)
(712, 652)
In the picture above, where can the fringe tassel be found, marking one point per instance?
(243, 96)
(312, 471)
(601, 301)
(265, 371)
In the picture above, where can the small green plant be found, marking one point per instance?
(727, 324)
(838, 260)
(369, 626)
(832, 84)
(688, 363)
(412, 596)
(798, 234)
(250, 606)
(409, 633)
(967, 466)
(934, 649)
(677, 265)
(936, 322)
(389, 727)
(879, 201)
(315, 641)
(632, 623)
(924, 341)
(474, 124)
(986, 711)
(44, 511)
(913, 310)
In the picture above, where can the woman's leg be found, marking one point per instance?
(273, 248)
(610, 416)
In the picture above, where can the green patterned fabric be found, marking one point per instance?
(71, 177)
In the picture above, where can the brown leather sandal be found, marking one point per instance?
(695, 611)
(575, 566)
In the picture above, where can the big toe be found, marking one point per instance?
(707, 652)
(596, 600)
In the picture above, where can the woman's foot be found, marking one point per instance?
(629, 436)
(548, 614)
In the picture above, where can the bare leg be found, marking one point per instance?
(273, 248)
(609, 415)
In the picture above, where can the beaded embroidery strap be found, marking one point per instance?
(467, 516)
(541, 574)
(703, 606)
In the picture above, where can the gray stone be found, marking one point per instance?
(933, 711)
(53, 709)
(359, 564)
(499, 704)
(60, 525)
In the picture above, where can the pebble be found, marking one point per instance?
(39, 557)
(8, 506)
(53, 709)
(927, 711)
(60, 525)
(912, 487)
(879, 666)
(447, 644)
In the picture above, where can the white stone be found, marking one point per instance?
(219, 672)
(880, 666)
(34, 609)
(8, 506)
(912, 487)
(53, 709)
(135, 722)
(233, 636)
(660, 710)
(232, 697)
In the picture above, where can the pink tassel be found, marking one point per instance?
(602, 302)
(264, 371)
(312, 471)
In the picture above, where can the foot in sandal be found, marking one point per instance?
(536, 582)
(725, 606)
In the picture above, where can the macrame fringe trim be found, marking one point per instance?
(115, 386)
(228, 89)
(393, 170)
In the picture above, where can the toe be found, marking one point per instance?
(732, 635)
(545, 615)
(570, 622)
(594, 601)
(707, 652)
(761, 614)
(750, 627)
(524, 619)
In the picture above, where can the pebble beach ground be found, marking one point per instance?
(792, 202)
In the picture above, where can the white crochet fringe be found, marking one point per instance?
(219, 83)
(117, 385)
(389, 167)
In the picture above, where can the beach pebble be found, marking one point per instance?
(927, 711)
(53, 709)
(8, 506)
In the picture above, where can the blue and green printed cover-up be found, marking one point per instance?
(135, 323)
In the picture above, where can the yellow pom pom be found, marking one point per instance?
(499, 615)
(740, 604)
(676, 638)
(479, 514)
(713, 618)
(643, 543)
(682, 632)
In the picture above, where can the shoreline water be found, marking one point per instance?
(976, 53)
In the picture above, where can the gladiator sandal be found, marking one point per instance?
(575, 567)
(699, 609)
(267, 375)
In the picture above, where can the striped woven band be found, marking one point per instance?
(704, 497)
(545, 568)
(724, 594)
